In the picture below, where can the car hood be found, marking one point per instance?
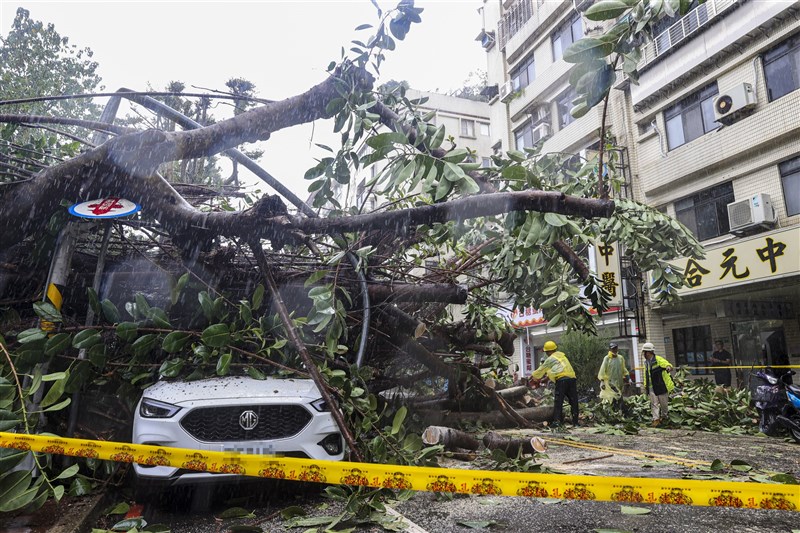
(177, 392)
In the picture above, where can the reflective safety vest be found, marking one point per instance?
(660, 362)
(556, 366)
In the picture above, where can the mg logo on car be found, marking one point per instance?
(248, 420)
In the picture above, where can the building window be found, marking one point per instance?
(523, 74)
(484, 128)
(693, 347)
(692, 117)
(467, 128)
(486, 162)
(530, 134)
(566, 35)
(706, 213)
(790, 179)
(782, 68)
(564, 101)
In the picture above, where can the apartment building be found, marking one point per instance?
(711, 135)
(716, 127)
(524, 42)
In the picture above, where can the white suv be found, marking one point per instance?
(273, 416)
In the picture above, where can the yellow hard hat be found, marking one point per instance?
(549, 346)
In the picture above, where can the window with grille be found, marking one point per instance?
(790, 180)
(467, 128)
(782, 68)
(692, 117)
(693, 348)
(566, 35)
(706, 213)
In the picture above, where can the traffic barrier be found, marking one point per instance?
(567, 487)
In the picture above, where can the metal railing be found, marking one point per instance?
(513, 20)
(682, 30)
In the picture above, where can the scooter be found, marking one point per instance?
(790, 417)
(777, 402)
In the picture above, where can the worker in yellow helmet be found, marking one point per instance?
(560, 372)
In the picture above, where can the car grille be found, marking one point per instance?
(220, 424)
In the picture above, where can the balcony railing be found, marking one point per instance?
(683, 29)
(514, 19)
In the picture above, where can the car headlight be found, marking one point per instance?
(320, 405)
(155, 409)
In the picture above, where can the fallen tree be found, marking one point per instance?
(364, 314)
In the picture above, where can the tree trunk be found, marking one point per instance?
(512, 393)
(511, 447)
(449, 438)
(494, 418)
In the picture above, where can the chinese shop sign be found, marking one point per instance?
(759, 258)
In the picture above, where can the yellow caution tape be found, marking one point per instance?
(566, 487)
(745, 367)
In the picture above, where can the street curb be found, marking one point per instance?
(80, 516)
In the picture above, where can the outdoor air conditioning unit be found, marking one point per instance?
(541, 131)
(487, 39)
(729, 106)
(751, 213)
(506, 92)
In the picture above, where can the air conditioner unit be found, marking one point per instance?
(506, 91)
(487, 40)
(729, 106)
(540, 131)
(750, 213)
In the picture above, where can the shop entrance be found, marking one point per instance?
(757, 343)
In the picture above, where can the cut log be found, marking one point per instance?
(513, 392)
(511, 447)
(495, 418)
(449, 438)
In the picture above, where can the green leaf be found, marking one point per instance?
(456, 156)
(178, 288)
(110, 311)
(605, 10)
(47, 311)
(94, 303)
(175, 341)
(128, 524)
(216, 336)
(31, 335)
(258, 297)
(555, 219)
(144, 344)
(171, 368)
(255, 373)
(453, 172)
(438, 138)
(127, 331)
(80, 486)
(58, 492)
(515, 173)
(477, 524)
(59, 405)
(159, 317)
(55, 392)
(386, 139)
(717, 465)
(12, 486)
(224, 364)
(627, 509)
(399, 417)
(587, 49)
(120, 508)
(208, 305)
(292, 511)
(8, 420)
(86, 339)
(69, 472)
(235, 512)
(58, 343)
